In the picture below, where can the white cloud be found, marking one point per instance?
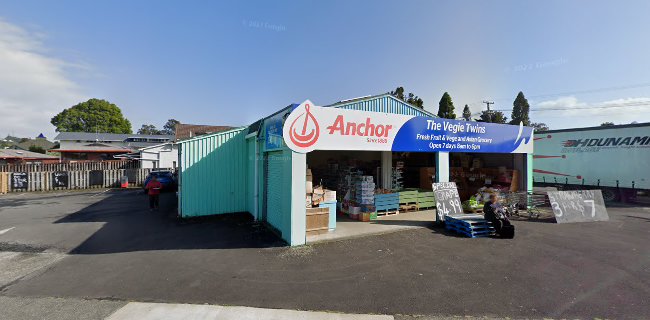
(33, 86)
(578, 113)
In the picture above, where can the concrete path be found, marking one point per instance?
(155, 311)
(347, 228)
(26, 308)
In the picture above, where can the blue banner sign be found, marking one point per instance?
(436, 134)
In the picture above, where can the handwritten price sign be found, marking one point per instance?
(578, 206)
(447, 200)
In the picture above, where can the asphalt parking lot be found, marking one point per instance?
(110, 246)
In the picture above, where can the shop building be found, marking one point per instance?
(359, 152)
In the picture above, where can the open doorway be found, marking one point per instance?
(351, 193)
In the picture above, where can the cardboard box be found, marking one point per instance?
(317, 219)
(329, 196)
(316, 198)
(427, 177)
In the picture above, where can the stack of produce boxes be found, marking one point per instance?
(365, 197)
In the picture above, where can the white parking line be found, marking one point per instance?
(6, 230)
(154, 311)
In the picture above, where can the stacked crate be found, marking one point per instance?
(408, 200)
(387, 203)
(397, 182)
(426, 199)
(471, 226)
(364, 197)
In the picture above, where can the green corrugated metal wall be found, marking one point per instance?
(213, 173)
(250, 174)
(276, 190)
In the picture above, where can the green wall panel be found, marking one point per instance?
(276, 191)
(213, 173)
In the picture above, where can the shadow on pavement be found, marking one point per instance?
(131, 226)
(14, 200)
(640, 218)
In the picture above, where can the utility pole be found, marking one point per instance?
(488, 103)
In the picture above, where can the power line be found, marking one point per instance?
(597, 90)
(607, 106)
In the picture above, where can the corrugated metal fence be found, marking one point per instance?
(71, 166)
(67, 180)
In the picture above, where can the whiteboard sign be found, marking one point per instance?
(447, 200)
(578, 206)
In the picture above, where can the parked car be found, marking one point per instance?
(165, 177)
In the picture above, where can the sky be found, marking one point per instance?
(579, 63)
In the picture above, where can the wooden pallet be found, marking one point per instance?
(387, 212)
(470, 226)
(408, 207)
(470, 234)
(426, 205)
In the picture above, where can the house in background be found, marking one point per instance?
(16, 156)
(159, 156)
(103, 146)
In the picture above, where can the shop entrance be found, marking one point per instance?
(479, 174)
(351, 193)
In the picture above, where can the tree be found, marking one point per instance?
(149, 129)
(37, 149)
(398, 93)
(539, 126)
(446, 107)
(170, 127)
(493, 117)
(94, 115)
(520, 110)
(415, 100)
(467, 114)
(412, 98)
(607, 124)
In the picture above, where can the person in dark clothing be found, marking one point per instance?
(493, 212)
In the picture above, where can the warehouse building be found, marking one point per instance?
(268, 167)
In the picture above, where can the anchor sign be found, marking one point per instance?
(304, 139)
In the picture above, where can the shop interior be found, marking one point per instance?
(347, 194)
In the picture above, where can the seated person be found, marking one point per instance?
(494, 213)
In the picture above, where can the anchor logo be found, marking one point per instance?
(305, 139)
